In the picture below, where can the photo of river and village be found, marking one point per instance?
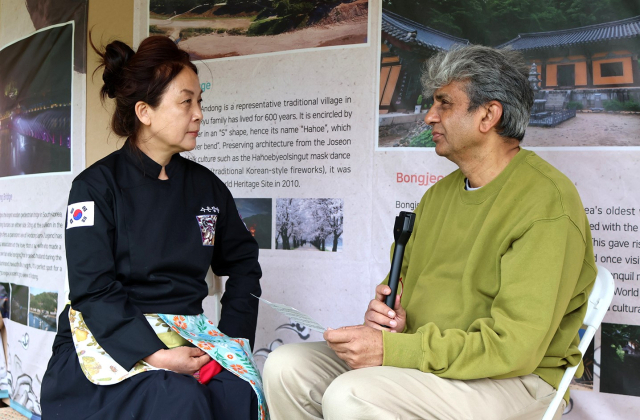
(231, 28)
(35, 103)
(42, 309)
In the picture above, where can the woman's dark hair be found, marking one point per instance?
(143, 75)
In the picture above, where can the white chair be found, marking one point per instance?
(212, 307)
(599, 301)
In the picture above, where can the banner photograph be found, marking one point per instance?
(42, 120)
(35, 134)
(237, 28)
(315, 126)
(585, 74)
(581, 57)
(256, 215)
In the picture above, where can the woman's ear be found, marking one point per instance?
(143, 111)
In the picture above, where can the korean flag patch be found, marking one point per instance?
(80, 214)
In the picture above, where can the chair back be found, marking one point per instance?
(599, 301)
(600, 298)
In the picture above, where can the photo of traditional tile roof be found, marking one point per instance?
(410, 32)
(602, 56)
(577, 74)
(603, 32)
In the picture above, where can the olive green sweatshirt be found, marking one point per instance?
(496, 280)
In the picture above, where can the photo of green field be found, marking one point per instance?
(234, 28)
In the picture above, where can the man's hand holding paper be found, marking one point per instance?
(359, 346)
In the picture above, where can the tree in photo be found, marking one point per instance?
(493, 22)
(335, 219)
(624, 340)
(46, 302)
(320, 230)
(284, 221)
(171, 7)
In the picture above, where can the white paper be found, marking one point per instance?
(295, 315)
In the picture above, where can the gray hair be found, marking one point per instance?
(491, 74)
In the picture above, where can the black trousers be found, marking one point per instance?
(67, 394)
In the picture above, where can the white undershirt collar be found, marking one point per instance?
(468, 187)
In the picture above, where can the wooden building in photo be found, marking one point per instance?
(405, 46)
(597, 59)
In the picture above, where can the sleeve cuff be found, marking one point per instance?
(402, 350)
(132, 343)
(128, 361)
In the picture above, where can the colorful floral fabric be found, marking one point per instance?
(233, 354)
(97, 365)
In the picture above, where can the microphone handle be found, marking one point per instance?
(394, 274)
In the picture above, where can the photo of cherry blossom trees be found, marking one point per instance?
(309, 224)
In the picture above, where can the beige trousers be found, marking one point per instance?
(308, 381)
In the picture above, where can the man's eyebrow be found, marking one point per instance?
(441, 96)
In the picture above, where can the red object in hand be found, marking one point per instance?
(207, 372)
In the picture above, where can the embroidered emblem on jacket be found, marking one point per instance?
(211, 209)
(80, 214)
(207, 225)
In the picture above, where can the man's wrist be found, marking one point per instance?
(402, 350)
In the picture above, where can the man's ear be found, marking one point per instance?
(491, 117)
(142, 112)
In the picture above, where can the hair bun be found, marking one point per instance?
(115, 58)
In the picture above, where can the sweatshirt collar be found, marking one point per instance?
(492, 188)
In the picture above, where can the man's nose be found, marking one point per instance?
(432, 116)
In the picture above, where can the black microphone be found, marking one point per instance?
(401, 232)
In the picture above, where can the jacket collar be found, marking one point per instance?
(145, 164)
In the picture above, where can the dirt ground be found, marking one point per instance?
(173, 27)
(588, 129)
(224, 45)
(388, 141)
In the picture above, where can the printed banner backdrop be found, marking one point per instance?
(288, 126)
(585, 121)
(321, 139)
(42, 96)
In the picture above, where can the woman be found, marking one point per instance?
(143, 226)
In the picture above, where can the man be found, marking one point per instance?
(496, 276)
